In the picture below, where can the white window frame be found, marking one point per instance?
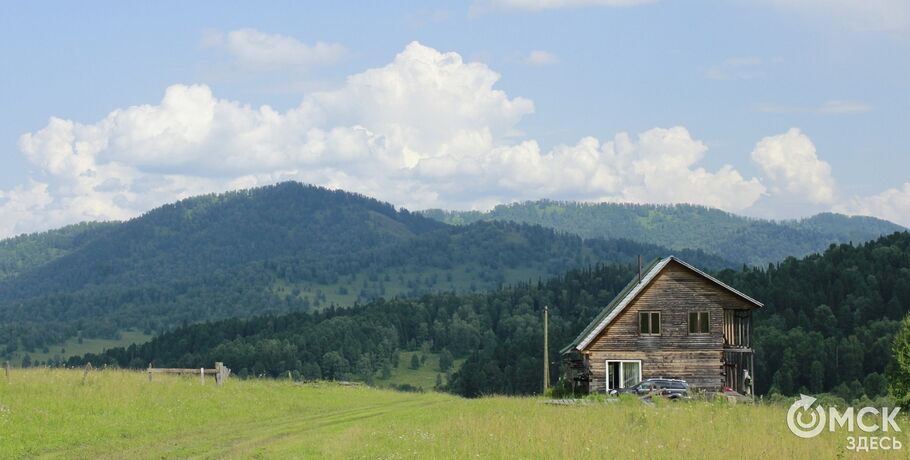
(622, 371)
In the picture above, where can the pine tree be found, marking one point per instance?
(445, 360)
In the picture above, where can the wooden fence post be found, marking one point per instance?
(150, 372)
(221, 373)
(88, 367)
(6, 366)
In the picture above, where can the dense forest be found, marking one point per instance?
(26, 252)
(271, 250)
(830, 319)
(827, 326)
(735, 238)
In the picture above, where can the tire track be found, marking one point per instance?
(272, 437)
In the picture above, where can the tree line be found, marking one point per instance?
(828, 325)
(736, 238)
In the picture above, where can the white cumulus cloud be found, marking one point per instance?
(258, 50)
(540, 57)
(833, 107)
(860, 15)
(892, 204)
(737, 68)
(791, 162)
(426, 130)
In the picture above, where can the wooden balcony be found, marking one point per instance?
(738, 330)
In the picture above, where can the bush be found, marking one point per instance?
(407, 387)
(563, 389)
(899, 369)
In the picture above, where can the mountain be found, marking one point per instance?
(735, 238)
(827, 326)
(25, 252)
(277, 249)
(209, 233)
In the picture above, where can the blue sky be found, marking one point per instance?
(761, 107)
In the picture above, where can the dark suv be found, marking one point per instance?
(666, 387)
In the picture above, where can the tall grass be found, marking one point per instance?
(121, 414)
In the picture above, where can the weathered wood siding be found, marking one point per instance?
(675, 292)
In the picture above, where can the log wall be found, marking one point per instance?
(675, 292)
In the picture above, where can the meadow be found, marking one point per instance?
(424, 377)
(76, 347)
(119, 414)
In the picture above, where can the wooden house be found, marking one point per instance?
(673, 321)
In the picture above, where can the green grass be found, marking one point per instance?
(118, 414)
(72, 347)
(423, 377)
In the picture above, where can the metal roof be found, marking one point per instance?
(630, 292)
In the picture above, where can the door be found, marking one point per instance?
(623, 373)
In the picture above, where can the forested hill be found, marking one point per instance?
(827, 326)
(25, 252)
(736, 238)
(215, 232)
(276, 249)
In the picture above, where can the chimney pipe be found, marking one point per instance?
(639, 269)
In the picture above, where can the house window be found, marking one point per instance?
(649, 323)
(699, 323)
(623, 373)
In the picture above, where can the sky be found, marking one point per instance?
(768, 108)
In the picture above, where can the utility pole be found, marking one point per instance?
(546, 351)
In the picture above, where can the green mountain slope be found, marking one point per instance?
(276, 249)
(827, 326)
(736, 238)
(26, 252)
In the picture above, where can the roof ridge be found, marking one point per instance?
(630, 291)
(612, 304)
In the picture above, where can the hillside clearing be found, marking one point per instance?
(424, 377)
(117, 414)
(73, 347)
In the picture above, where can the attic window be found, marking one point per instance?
(699, 323)
(649, 323)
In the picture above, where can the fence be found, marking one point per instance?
(220, 372)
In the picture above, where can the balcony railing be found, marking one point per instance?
(738, 329)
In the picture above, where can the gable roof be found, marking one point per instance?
(631, 291)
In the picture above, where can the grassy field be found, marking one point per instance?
(423, 377)
(117, 414)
